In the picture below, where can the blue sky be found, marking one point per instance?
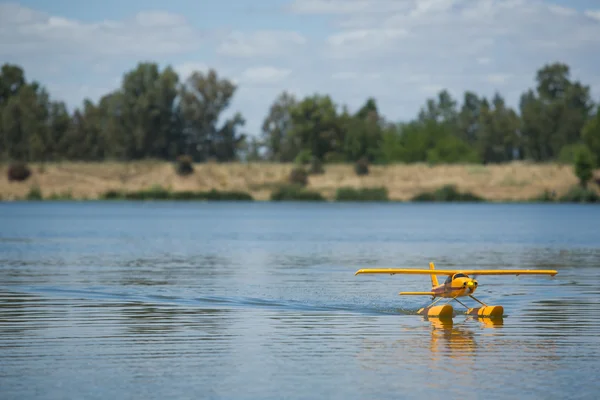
(399, 51)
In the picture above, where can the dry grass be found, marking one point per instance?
(515, 181)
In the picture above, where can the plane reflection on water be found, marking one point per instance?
(437, 345)
(456, 340)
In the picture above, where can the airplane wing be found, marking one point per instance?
(393, 271)
(550, 272)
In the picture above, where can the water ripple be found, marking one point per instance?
(248, 301)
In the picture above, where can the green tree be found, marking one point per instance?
(591, 135)
(584, 166)
(147, 111)
(555, 114)
(12, 78)
(497, 135)
(363, 133)
(468, 118)
(392, 149)
(24, 124)
(316, 126)
(204, 98)
(58, 125)
(451, 150)
(442, 109)
(277, 130)
(84, 139)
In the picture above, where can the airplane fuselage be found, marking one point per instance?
(458, 285)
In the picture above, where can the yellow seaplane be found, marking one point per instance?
(458, 284)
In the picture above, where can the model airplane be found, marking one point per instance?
(458, 284)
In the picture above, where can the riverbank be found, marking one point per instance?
(497, 183)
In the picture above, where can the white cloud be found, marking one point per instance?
(261, 43)
(345, 6)
(345, 75)
(460, 28)
(419, 47)
(184, 70)
(349, 75)
(562, 10)
(26, 32)
(431, 90)
(360, 41)
(497, 78)
(595, 14)
(264, 75)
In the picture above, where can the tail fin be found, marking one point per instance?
(434, 281)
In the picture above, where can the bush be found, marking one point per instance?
(584, 166)
(452, 150)
(18, 171)
(64, 196)
(568, 153)
(295, 193)
(184, 165)
(447, 193)
(35, 193)
(545, 196)
(303, 157)
(365, 194)
(334, 157)
(158, 193)
(214, 195)
(316, 167)
(579, 194)
(298, 176)
(112, 195)
(362, 166)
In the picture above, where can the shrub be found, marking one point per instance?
(35, 193)
(365, 194)
(451, 150)
(64, 196)
(18, 171)
(584, 166)
(112, 195)
(545, 196)
(362, 166)
(334, 157)
(298, 176)
(184, 165)
(568, 153)
(158, 193)
(225, 196)
(447, 193)
(579, 194)
(303, 157)
(316, 166)
(295, 193)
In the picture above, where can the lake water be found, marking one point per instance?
(162, 300)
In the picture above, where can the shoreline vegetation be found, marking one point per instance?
(263, 181)
(161, 136)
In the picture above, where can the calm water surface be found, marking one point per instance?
(259, 301)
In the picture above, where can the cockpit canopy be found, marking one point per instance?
(457, 275)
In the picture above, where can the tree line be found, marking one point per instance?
(156, 114)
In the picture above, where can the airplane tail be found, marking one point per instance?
(434, 280)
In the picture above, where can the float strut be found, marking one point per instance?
(482, 303)
(435, 301)
(460, 302)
